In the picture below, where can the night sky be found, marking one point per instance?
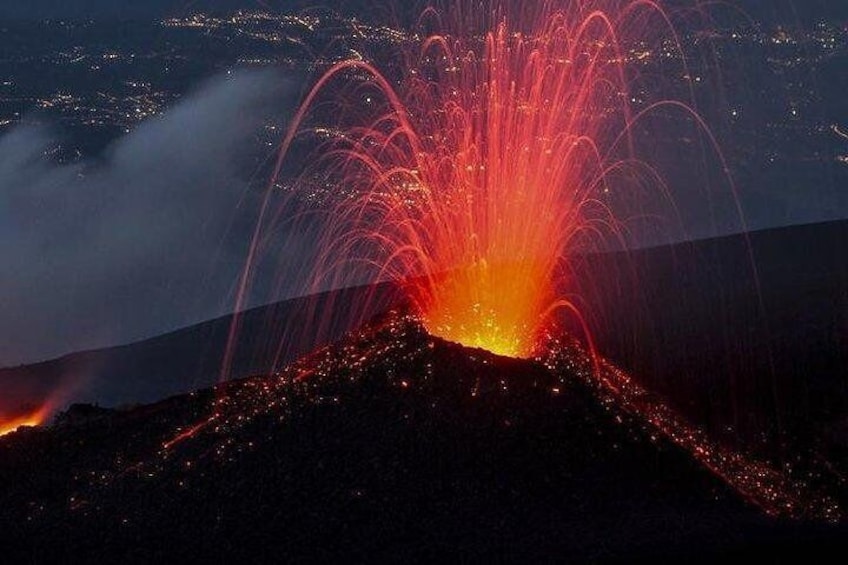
(150, 235)
(765, 10)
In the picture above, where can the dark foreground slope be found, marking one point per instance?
(390, 445)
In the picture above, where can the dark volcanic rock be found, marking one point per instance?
(390, 445)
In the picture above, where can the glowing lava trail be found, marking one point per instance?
(475, 174)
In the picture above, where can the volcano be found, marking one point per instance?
(392, 444)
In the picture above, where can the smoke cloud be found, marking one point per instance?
(148, 237)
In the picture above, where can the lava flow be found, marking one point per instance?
(475, 174)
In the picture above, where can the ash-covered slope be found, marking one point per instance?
(390, 445)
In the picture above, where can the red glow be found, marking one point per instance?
(486, 164)
(33, 418)
(31, 401)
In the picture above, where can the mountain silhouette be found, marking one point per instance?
(393, 445)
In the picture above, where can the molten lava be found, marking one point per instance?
(497, 307)
(484, 166)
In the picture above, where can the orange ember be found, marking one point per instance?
(485, 166)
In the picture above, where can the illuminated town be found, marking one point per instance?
(110, 85)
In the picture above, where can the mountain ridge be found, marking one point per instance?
(391, 444)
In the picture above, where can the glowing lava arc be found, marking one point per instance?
(482, 168)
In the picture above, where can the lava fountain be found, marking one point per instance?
(472, 171)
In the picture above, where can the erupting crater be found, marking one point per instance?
(481, 162)
(492, 307)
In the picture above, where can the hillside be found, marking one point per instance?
(391, 445)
